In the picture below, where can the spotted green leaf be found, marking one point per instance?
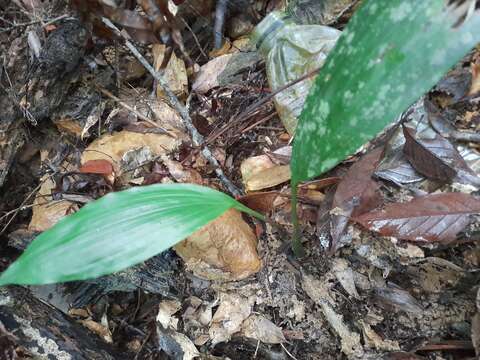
(117, 231)
(390, 53)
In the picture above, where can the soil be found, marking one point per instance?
(375, 298)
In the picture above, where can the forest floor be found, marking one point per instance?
(90, 120)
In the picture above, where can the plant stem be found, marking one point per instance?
(296, 244)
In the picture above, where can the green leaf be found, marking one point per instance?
(117, 231)
(390, 53)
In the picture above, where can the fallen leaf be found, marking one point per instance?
(224, 249)
(223, 70)
(175, 73)
(101, 167)
(430, 218)
(375, 341)
(46, 212)
(99, 329)
(262, 202)
(230, 315)
(356, 193)
(394, 296)
(113, 147)
(437, 159)
(475, 69)
(260, 172)
(260, 328)
(166, 309)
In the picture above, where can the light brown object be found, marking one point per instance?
(46, 212)
(113, 147)
(259, 172)
(227, 245)
(175, 73)
(260, 328)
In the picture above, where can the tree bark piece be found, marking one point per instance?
(46, 332)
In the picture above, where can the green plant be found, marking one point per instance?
(390, 54)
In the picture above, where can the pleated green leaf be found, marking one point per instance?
(390, 53)
(117, 231)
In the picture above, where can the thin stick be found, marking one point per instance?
(129, 108)
(197, 138)
(246, 114)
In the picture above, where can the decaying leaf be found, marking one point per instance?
(356, 194)
(230, 315)
(260, 328)
(166, 309)
(175, 73)
(260, 172)
(99, 329)
(46, 212)
(430, 218)
(113, 147)
(223, 70)
(262, 202)
(224, 249)
(437, 159)
(101, 167)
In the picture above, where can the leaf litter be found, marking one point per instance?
(404, 282)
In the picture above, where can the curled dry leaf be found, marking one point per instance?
(430, 218)
(437, 159)
(356, 194)
(260, 172)
(260, 328)
(224, 249)
(113, 147)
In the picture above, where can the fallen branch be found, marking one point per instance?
(197, 138)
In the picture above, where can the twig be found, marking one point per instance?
(195, 38)
(288, 353)
(33, 22)
(246, 114)
(197, 138)
(129, 108)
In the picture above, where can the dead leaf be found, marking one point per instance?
(207, 77)
(262, 202)
(98, 329)
(394, 296)
(260, 328)
(437, 159)
(175, 73)
(430, 218)
(166, 309)
(224, 249)
(46, 212)
(375, 341)
(356, 193)
(260, 172)
(230, 315)
(475, 69)
(113, 147)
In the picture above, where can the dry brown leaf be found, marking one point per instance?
(46, 212)
(207, 77)
(98, 329)
(175, 73)
(166, 309)
(430, 218)
(224, 249)
(230, 315)
(113, 147)
(260, 172)
(260, 328)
